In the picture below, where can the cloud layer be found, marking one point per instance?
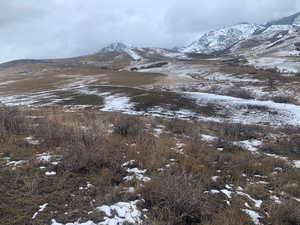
(56, 28)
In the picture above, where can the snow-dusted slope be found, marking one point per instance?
(138, 54)
(121, 47)
(220, 40)
(115, 47)
(289, 20)
(245, 36)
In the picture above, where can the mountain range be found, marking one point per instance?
(230, 39)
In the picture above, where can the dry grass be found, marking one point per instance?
(12, 122)
(239, 93)
(88, 150)
(178, 199)
(287, 213)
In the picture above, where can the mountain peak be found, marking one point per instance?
(289, 20)
(221, 39)
(115, 47)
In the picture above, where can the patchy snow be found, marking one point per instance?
(133, 54)
(286, 69)
(44, 157)
(293, 163)
(121, 213)
(137, 174)
(253, 215)
(117, 103)
(249, 145)
(276, 199)
(88, 185)
(227, 193)
(15, 164)
(31, 140)
(178, 55)
(281, 64)
(4, 83)
(128, 163)
(288, 53)
(158, 130)
(208, 138)
(42, 208)
(53, 222)
(257, 203)
(217, 76)
(251, 111)
(214, 191)
(296, 164)
(50, 173)
(215, 178)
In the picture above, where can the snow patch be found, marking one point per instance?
(121, 213)
(117, 103)
(31, 140)
(208, 138)
(51, 173)
(253, 215)
(249, 145)
(42, 208)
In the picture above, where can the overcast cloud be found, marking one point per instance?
(63, 28)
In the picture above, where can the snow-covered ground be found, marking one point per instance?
(251, 111)
(280, 64)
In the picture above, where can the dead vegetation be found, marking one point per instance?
(88, 152)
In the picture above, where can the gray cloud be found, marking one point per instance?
(56, 28)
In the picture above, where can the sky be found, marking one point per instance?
(65, 28)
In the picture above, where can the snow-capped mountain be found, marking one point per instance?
(121, 48)
(228, 38)
(274, 38)
(138, 54)
(115, 47)
(222, 39)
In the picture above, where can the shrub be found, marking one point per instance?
(89, 154)
(178, 197)
(11, 122)
(285, 146)
(231, 216)
(128, 126)
(287, 213)
(284, 99)
(239, 93)
(54, 134)
(177, 126)
(257, 191)
(237, 131)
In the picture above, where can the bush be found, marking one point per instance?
(239, 93)
(90, 153)
(287, 213)
(177, 126)
(257, 191)
(284, 99)
(11, 122)
(128, 126)
(178, 198)
(231, 216)
(286, 146)
(237, 131)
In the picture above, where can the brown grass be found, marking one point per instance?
(89, 151)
